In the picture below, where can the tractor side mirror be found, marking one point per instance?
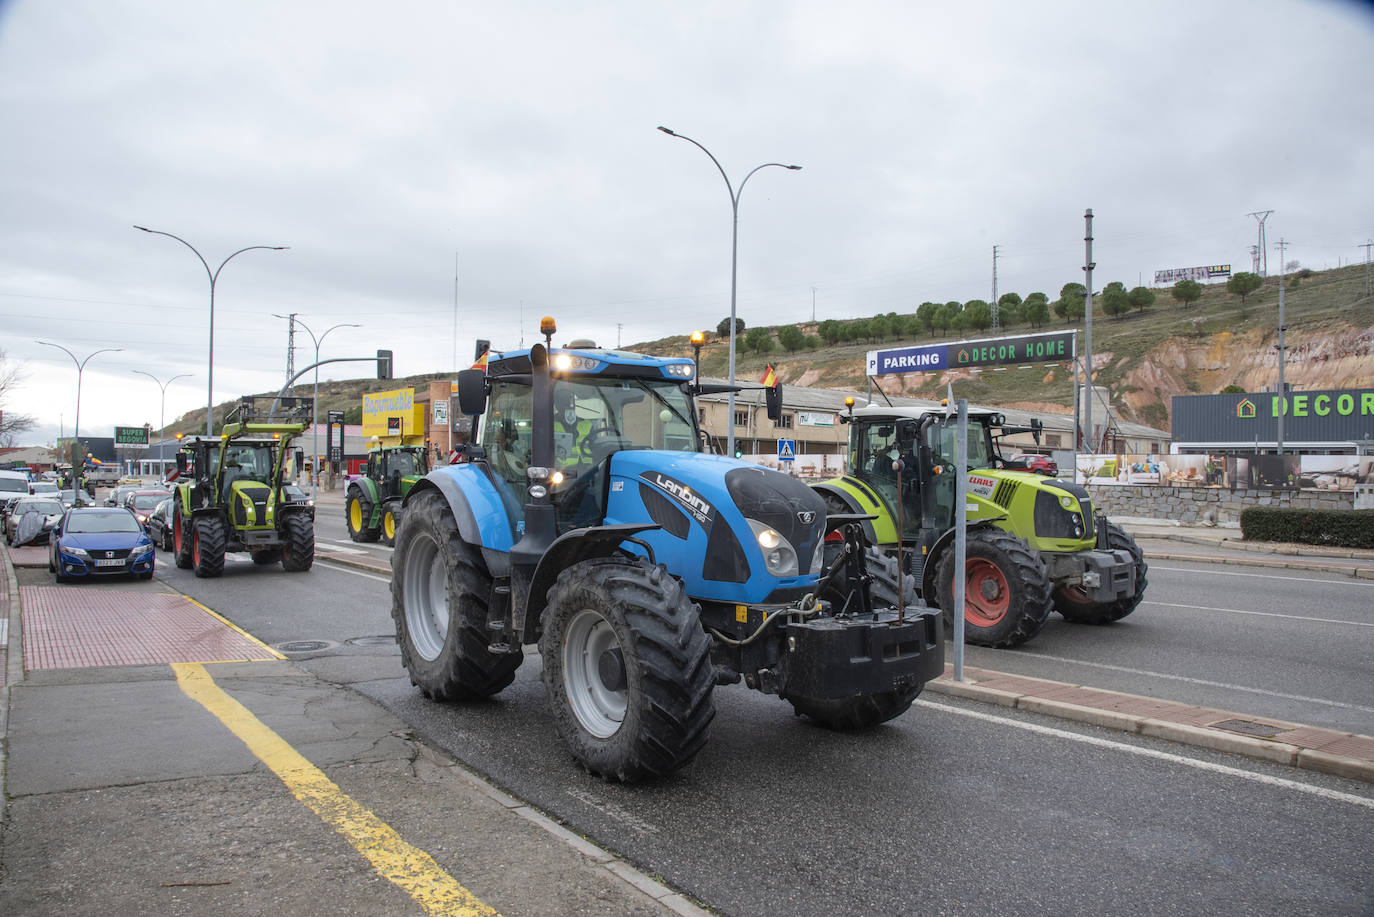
(299, 462)
(472, 392)
(1037, 427)
(773, 398)
(181, 462)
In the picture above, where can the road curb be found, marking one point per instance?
(1188, 733)
(1354, 571)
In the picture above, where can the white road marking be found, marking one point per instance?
(1200, 681)
(1262, 614)
(1226, 770)
(1347, 581)
(342, 548)
(355, 572)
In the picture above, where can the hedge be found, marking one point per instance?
(1334, 527)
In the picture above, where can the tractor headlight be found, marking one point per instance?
(778, 555)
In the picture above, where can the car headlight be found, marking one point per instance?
(779, 557)
(140, 550)
(76, 552)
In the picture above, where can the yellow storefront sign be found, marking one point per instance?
(393, 413)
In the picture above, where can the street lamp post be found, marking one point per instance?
(161, 418)
(78, 460)
(734, 259)
(214, 276)
(315, 399)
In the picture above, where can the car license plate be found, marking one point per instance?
(110, 563)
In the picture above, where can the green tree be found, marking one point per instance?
(723, 329)
(880, 327)
(977, 315)
(945, 316)
(831, 331)
(1009, 310)
(1243, 284)
(10, 422)
(1116, 302)
(758, 340)
(1232, 389)
(1035, 309)
(1141, 298)
(926, 314)
(813, 342)
(856, 330)
(1187, 292)
(1069, 306)
(791, 338)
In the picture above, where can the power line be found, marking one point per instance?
(1366, 246)
(1261, 216)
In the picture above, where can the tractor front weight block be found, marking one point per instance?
(829, 658)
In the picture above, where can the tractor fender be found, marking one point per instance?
(857, 501)
(472, 497)
(932, 561)
(569, 549)
(366, 487)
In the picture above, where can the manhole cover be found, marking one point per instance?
(1246, 727)
(303, 646)
(383, 640)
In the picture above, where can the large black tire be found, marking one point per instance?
(391, 521)
(207, 546)
(439, 593)
(628, 668)
(1073, 604)
(846, 714)
(357, 513)
(181, 539)
(298, 550)
(1006, 590)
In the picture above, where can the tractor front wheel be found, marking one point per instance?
(1072, 602)
(845, 714)
(391, 521)
(439, 593)
(1006, 589)
(359, 517)
(628, 668)
(207, 546)
(298, 550)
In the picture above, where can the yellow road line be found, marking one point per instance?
(398, 862)
(229, 624)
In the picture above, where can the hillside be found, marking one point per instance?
(1143, 358)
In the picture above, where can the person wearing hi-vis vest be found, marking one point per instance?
(571, 434)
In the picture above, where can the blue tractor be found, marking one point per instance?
(588, 517)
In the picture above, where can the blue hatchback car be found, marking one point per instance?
(95, 541)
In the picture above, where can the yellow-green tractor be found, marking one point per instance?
(1034, 543)
(372, 503)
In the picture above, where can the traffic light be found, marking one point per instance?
(383, 364)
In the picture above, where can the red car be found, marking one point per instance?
(1037, 464)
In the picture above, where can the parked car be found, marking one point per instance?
(70, 498)
(98, 541)
(49, 508)
(42, 489)
(1039, 464)
(159, 524)
(13, 485)
(116, 496)
(143, 502)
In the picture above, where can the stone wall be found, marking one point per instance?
(1206, 505)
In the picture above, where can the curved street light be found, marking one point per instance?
(161, 417)
(734, 259)
(214, 276)
(78, 467)
(315, 399)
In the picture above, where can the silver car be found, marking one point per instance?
(49, 507)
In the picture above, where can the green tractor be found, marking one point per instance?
(372, 505)
(231, 497)
(1034, 543)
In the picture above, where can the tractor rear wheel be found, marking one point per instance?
(391, 521)
(207, 546)
(1072, 602)
(359, 517)
(628, 668)
(1006, 589)
(298, 550)
(439, 592)
(845, 714)
(181, 539)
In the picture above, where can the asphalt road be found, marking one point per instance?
(954, 807)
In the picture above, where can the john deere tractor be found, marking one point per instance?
(1034, 543)
(588, 519)
(231, 496)
(372, 505)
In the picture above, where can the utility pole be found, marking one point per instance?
(813, 304)
(994, 287)
(1088, 266)
(1283, 389)
(455, 313)
(1366, 246)
(291, 346)
(1255, 259)
(1263, 263)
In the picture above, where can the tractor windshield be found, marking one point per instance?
(941, 437)
(248, 462)
(406, 462)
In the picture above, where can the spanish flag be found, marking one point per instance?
(482, 363)
(770, 378)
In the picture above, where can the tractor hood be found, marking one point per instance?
(741, 532)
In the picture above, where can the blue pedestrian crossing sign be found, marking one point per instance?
(787, 450)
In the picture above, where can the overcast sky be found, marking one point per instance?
(512, 146)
